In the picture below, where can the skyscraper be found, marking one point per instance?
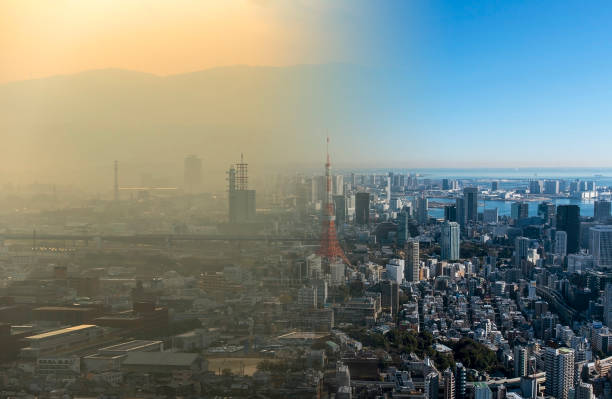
(193, 174)
(601, 246)
(460, 210)
(559, 367)
(546, 211)
(470, 196)
(535, 186)
(551, 187)
(340, 209)
(403, 232)
(521, 249)
(560, 243)
(519, 210)
(241, 199)
(422, 208)
(449, 241)
(362, 208)
(568, 220)
(412, 261)
(450, 213)
(601, 210)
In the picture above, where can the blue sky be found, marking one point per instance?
(493, 83)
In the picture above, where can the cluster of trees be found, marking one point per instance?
(471, 353)
(477, 356)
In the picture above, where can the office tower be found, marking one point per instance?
(321, 286)
(560, 243)
(490, 215)
(337, 273)
(241, 199)
(449, 241)
(559, 367)
(521, 360)
(449, 384)
(546, 211)
(362, 208)
(591, 185)
(535, 186)
(329, 247)
(494, 185)
(460, 209)
(403, 230)
(450, 213)
(422, 208)
(338, 185)
(412, 261)
(193, 174)
(388, 188)
(601, 246)
(445, 184)
(519, 210)
(340, 209)
(551, 187)
(395, 270)
(470, 196)
(607, 302)
(460, 381)
(584, 390)
(482, 390)
(601, 210)
(568, 220)
(521, 249)
(389, 297)
(307, 297)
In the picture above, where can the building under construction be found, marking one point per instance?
(241, 199)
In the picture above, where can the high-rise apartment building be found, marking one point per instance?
(601, 246)
(559, 367)
(412, 261)
(450, 241)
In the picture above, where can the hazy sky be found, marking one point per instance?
(41, 38)
(470, 83)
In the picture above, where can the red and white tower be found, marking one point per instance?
(330, 248)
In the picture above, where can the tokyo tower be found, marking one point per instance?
(329, 248)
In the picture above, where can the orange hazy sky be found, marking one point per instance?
(41, 38)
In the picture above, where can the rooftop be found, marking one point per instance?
(160, 359)
(61, 331)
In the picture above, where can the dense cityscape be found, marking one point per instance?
(331, 285)
(305, 199)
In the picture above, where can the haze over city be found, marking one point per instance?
(328, 199)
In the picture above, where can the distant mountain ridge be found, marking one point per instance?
(71, 127)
